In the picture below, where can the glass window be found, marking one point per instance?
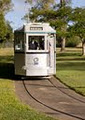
(36, 42)
(18, 46)
(19, 41)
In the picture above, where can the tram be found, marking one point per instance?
(35, 50)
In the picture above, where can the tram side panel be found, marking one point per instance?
(55, 55)
(19, 54)
(51, 47)
(20, 64)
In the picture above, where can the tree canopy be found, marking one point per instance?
(5, 6)
(56, 15)
(78, 19)
(78, 26)
(5, 28)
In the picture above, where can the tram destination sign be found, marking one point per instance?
(36, 28)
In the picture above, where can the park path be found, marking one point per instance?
(51, 97)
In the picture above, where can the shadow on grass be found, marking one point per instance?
(72, 59)
(7, 70)
(79, 66)
(6, 67)
(68, 54)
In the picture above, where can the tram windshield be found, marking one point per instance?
(36, 42)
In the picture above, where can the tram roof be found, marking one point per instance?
(36, 28)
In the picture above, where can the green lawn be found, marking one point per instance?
(71, 69)
(10, 107)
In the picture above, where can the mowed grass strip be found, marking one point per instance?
(71, 69)
(10, 107)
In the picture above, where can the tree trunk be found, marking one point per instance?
(63, 42)
(61, 1)
(83, 47)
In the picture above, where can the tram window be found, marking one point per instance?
(18, 46)
(36, 42)
(19, 42)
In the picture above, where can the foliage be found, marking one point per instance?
(78, 27)
(6, 33)
(5, 6)
(3, 28)
(61, 20)
(56, 16)
(9, 35)
(44, 3)
(39, 8)
(64, 2)
(73, 41)
(78, 19)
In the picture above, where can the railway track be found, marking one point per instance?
(54, 97)
(69, 95)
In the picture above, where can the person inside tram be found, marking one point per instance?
(36, 43)
(42, 44)
(33, 45)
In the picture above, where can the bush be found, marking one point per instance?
(72, 42)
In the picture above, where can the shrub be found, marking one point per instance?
(72, 42)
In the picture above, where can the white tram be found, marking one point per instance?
(35, 50)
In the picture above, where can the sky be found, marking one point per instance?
(20, 8)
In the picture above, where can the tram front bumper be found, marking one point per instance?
(37, 71)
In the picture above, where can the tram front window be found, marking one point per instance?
(36, 42)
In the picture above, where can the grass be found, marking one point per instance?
(10, 107)
(71, 69)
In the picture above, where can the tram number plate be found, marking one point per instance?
(36, 28)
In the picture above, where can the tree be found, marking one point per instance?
(5, 6)
(65, 11)
(6, 32)
(78, 27)
(38, 6)
(9, 34)
(62, 24)
(3, 28)
(45, 3)
(56, 15)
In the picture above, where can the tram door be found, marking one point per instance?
(51, 48)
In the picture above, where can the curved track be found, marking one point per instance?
(53, 98)
(67, 93)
